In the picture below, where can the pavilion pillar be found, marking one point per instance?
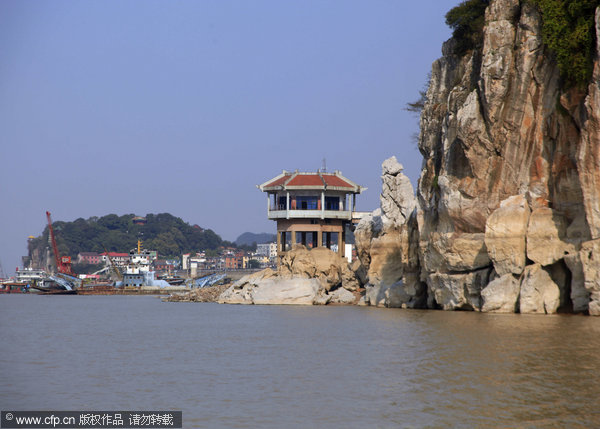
(279, 249)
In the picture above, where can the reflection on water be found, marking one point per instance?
(270, 366)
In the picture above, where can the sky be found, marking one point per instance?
(185, 106)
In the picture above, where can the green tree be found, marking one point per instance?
(163, 232)
(253, 263)
(568, 30)
(466, 21)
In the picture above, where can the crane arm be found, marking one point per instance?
(63, 265)
(53, 242)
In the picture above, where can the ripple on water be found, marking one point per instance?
(246, 366)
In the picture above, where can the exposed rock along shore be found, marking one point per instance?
(506, 217)
(304, 277)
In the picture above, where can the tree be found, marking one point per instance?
(165, 233)
(568, 30)
(467, 21)
(417, 106)
(253, 263)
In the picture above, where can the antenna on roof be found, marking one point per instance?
(324, 167)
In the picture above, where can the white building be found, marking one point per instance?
(267, 249)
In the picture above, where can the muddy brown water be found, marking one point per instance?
(287, 366)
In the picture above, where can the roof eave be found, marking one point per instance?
(356, 190)
(264, 186)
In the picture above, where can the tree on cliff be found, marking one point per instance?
(568, 30)
(466, 21)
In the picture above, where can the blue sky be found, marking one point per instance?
(183, 107)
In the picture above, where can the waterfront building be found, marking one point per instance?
(193, 263)
(234, 260)
(164, 265)
(89, 258)
(314, 209)
(119, 259)
(267, 249)
(262, 260)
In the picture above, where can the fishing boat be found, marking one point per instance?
(14, 287)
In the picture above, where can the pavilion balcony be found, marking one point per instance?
(309, 214)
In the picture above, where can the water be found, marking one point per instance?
(284, 366)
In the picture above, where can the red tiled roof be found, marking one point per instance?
(279, 181)
(333, 180)
(317, 180)
(305, 180)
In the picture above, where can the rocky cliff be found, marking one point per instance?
(507, 212)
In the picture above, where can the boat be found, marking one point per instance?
(172, 280)
(14, 287)
(55, 290)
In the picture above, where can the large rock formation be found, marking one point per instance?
(387, 244)
(508, 203)
(304, 277)
(539, 294)
(505, 235)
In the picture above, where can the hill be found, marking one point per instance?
(249, 238)
(170, 236)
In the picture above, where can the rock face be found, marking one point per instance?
(590, 260)
(507, 213)
(505, 235)
(539, 294)
(457, 291)
(546, 236)
(304, 277)
(501, 295)
(387, 244)
(321, 263)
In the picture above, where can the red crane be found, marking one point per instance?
(63, 263)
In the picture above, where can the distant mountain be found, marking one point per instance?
(248, 238)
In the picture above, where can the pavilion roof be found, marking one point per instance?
(311, 181)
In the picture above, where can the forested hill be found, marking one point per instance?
(165, 233)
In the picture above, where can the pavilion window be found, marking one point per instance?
(332, 203)
(282, 203)
(307, 203)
